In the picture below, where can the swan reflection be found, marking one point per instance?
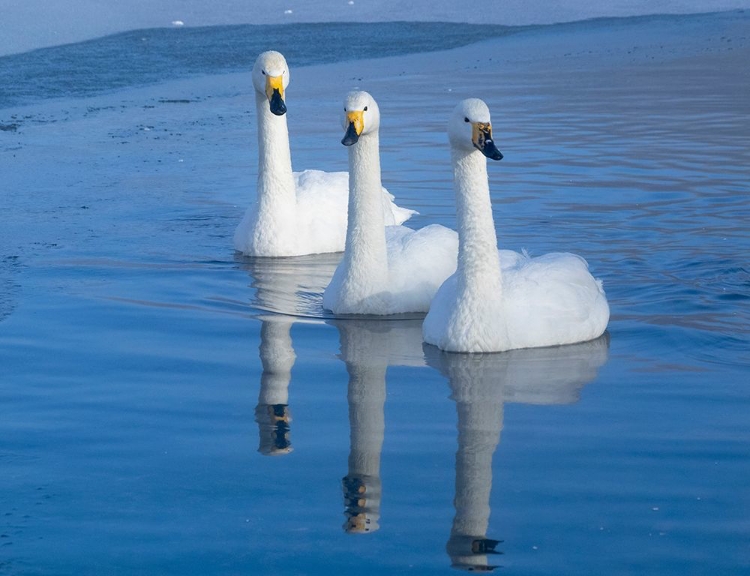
(368, 347)
(290, 289)
(480, 386)
(272, 412)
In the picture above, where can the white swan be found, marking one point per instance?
(295, 213)
(494, 304)
(385, 270)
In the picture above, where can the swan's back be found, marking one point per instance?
(550, 300)
(322, 204)
(418, 263)
(322, 200)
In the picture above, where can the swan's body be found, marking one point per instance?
(295, 213)
(496, 303)
(385, 269)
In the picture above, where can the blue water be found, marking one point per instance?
(153, 55)
(170, 407)
(158, 54)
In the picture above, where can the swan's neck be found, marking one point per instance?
(478, 263)
(365, 260)
(276, 214)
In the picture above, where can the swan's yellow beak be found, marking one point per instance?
(481, 137)
(275, 94)
(355, 123)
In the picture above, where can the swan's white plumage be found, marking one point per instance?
(296, 213)
(385, 269)
(491, 303)
(419, 261)
(319, 221)
(547, 301)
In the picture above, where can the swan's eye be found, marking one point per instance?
(344, 109)
(365, 108)
(466, 119)
(264, 72)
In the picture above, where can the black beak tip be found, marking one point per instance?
(351, 137)
(277, 104)
(491, 151)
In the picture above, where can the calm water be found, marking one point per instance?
(168, 407)
(159, 54)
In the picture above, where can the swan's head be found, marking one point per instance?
(270, 78)
(469, 127)
(361, 116)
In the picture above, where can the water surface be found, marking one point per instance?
(170, 407)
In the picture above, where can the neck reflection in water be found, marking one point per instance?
(272, 412)
(480, 386)
(368, 347)
(291, 289)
